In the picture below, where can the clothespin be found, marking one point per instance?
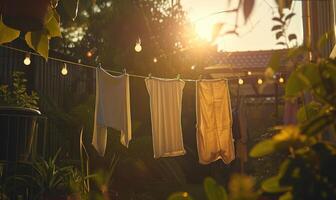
(150, 75)
(99, 65)
(124, 71)
(178, 76)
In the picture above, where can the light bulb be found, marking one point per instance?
(155, 60)
(249, 73)
(89, 54)
(281, 80)
(64, 70)
(27, 60)
(260, 81)
(240, 81)
(138, 47)
(193, 67)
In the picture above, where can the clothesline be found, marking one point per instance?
(95, 67)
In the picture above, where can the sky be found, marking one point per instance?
(255, 34)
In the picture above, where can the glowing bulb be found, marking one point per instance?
(281, 80)
(64, 70)
(249, 73)
(260, 81)
(89, 54)
(27, 60)
(138, 47)
(240, 81)
(193, 67)
(155, 60)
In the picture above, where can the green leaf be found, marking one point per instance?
(272, 185)
(38, 41)
(294, 52)
(7, 34)
(180, 196)
(278, 19)
(292, 37)
(289, 16)
(330, 70)
(276, 27)
(323, 40)
(286, 196)
(213, 190)
(308, 111)
(295, 85)
(53, 25)
(247, 8)
(274, 62)
(263, 148)
(310, 74)
(278, 35)
(281, 43)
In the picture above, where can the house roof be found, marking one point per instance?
(237, 64)
(246, 60)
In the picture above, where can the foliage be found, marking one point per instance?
(18, 94)
(306, 173)
(241, 187)
(282, 22)
(39, 40)
(47, 179)
(104, 177)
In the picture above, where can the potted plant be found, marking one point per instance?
(18, 119)
(46, 181)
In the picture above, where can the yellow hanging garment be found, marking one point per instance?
(214, 121)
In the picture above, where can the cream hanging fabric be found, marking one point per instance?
(112, 109)
(166, 104)
(214, 121)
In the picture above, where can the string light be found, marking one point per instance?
(249, 73)
(75, 64)
(240, 81)
(89, 54)
(27, 60)
(281, 80)
(137, 46)
(155, 60)
(260, 81)
(193, 67)
(64, 70)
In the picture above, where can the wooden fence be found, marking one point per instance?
(56, 91)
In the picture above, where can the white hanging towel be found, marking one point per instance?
(214, 121)
(165, 105)
(112, 109)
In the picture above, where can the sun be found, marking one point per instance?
(203, 29)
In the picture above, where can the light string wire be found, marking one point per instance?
(95, 67)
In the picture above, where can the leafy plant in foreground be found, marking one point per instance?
(18, 94)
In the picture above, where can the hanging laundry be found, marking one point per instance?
(240, 131)
(214, 121)
(112, 109)
(165, 105)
